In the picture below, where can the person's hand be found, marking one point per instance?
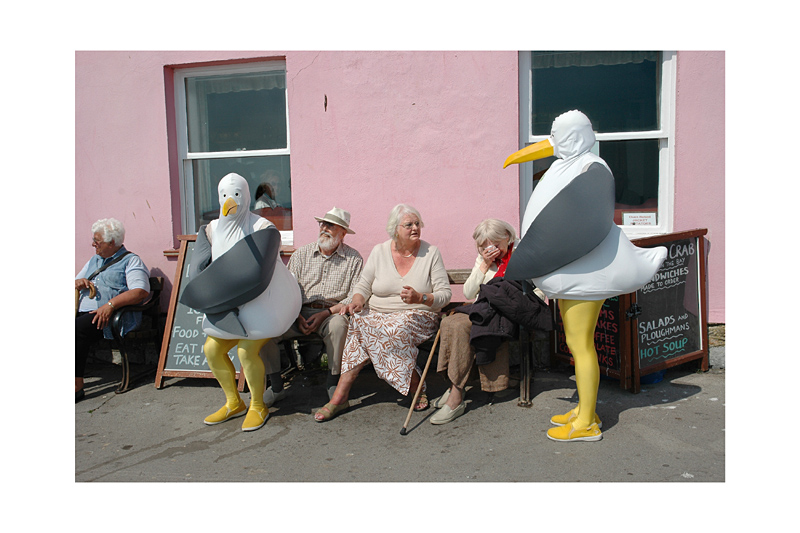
(351, 309)
(302, 324)
(84, 284)
(315, 321)
(489, 255)
(356, 305)
(102, 315)
(410, 296)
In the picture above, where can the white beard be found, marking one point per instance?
(327, 242)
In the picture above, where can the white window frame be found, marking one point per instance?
(186, 157)
(665, 136)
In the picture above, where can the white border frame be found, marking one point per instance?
(666, 136)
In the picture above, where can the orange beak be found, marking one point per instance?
(535, 151)
(229, 207)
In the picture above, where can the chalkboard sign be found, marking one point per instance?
(182, 348)
(671, 327)
(661, 325)
(664, 333)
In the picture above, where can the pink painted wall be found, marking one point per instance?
(427, 128)
(700, 161)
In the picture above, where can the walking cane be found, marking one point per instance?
(421, 383)
(92, 294)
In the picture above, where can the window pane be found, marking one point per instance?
(236, 112)
(618, 91)
(273, 172)
(635, 168)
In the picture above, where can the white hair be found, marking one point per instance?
(496, 230)
(398, 212)
(111, 229)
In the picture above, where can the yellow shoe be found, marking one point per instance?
(226, 414)
(568, 433)
(563, 420)
(256, 417)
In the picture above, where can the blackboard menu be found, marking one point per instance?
(670, 323)
(182, 347)
(659, 326)
(186, 341)
(606, 335)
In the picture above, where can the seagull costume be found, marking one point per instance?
(248, 296)
(573, 251)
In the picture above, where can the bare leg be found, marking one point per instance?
(412, 390)
(456, 397)
(346, 380)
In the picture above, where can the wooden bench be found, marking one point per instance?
(291, 346)
(525, 343)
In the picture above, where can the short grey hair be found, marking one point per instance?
(398, 212)
(493, 229)
(111, 229)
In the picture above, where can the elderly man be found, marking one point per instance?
(327, 271)
(111, 279)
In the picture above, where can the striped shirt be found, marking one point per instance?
(326, 280)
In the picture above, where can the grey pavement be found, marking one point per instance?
(672, 431)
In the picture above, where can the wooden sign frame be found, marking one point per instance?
(162, 371)
(702, 289)
(630, 370)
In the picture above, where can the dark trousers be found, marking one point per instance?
(86, 334)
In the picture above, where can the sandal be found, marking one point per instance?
(332, 410)
(422, 402)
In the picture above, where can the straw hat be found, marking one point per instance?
(337, 216)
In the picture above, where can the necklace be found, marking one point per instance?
(401, 253)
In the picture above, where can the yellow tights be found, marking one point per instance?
(580, 319)
(221, 366)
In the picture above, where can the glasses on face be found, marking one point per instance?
(408, 225)
(326, 224)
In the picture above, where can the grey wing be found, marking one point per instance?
(237, 276)
(570, 226)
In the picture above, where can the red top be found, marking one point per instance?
(502, 263)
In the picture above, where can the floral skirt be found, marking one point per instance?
(390, 341)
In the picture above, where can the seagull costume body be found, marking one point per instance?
(572, 250)
(248, 296)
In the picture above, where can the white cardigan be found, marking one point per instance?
(380, 283)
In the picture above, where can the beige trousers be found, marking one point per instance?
(457, 357)
(333, 332)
